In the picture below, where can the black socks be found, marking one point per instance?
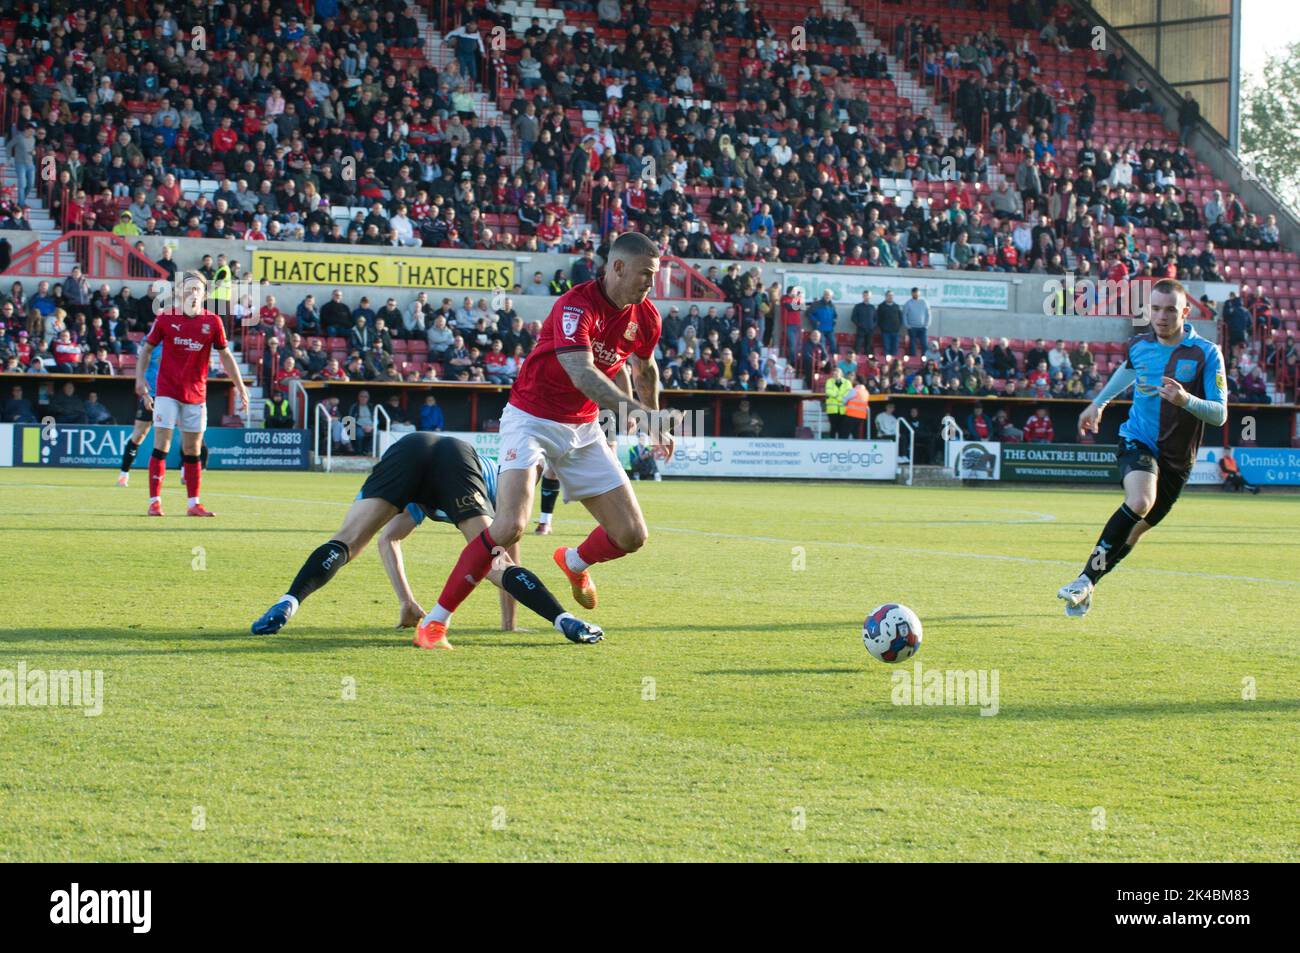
(528, 590)
(1113, 545)
(550, 494)
(319, 569)
(128, 455)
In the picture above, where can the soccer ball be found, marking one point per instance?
(892, 632)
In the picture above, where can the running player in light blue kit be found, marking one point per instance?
(1179, 387)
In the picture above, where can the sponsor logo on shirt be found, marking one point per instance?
(607, 356)
(188, 343)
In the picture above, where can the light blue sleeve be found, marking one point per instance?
(415, 513)
(1119, 382)
(1213, 407)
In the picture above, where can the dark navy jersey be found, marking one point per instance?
(1171, 431)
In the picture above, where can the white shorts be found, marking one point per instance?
(576, 453)
(168, 412)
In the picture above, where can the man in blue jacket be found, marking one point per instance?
(822, 317)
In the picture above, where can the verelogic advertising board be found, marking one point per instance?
(748, 457)
(795, 459)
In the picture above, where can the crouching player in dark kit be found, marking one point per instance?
(444, 479)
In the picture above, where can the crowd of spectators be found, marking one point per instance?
(297, 108)
(295, 111)
(337, 341)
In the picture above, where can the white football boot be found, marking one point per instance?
(1077, 596)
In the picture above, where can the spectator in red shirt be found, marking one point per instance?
(706, 368)
(1038, 429)
(67, 353)
(494, 363)
(792, 305)
(978, 425)
(224, 138)
(267, 314)
(1008, 256)
(170, 190)
(288, 371)
(333, 372)
(1040, 378)
(549, 233)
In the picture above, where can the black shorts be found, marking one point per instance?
(1170, 479)
(141, 414)
(438, 474)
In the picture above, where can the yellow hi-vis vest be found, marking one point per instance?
(836, 393)
(856, 405)
(222, 283)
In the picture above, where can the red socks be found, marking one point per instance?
(473, 565)
(192, 471)
(599, 548)
(157, 469)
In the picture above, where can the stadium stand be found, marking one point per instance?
(960, 134)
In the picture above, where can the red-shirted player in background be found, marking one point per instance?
(591, 332)
(187, 334)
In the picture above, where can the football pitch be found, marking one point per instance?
(731, 714)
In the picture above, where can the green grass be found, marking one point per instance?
(765, 700)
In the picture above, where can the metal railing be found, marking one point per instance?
(380, 412)
(911, 448)
(321, 411)
(296, 393)
(95, 252)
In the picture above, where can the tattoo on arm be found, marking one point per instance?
(647, 382)
(591, 382)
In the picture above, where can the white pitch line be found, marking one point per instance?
(797, 542)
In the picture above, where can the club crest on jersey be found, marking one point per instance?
(206, 327)
(569, 318)
(630, 333)
(1184, 371)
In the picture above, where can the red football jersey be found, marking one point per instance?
(66, 353)
(187, 344)
(582, 319)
